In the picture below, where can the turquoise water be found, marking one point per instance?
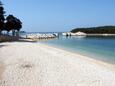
(101, 48)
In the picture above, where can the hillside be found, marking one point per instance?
(96, 30)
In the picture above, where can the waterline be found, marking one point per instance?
(101, 48)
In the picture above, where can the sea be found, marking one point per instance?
(97, 47)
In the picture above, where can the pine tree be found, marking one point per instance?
(9, 23)
(2, 19)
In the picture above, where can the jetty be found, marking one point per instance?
(42, 36)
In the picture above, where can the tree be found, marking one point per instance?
(9, 23)
(2, 19)
(18, 25)
(13, 24)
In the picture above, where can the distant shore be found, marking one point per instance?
(86, 34)
(35, 64)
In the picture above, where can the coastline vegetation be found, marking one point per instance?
(9, 23)
(96, 30)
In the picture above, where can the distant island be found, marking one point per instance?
(96, 30)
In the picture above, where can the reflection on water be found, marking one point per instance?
(98, 47)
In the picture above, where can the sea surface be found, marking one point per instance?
(97, 47)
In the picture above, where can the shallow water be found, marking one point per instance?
(101, 48)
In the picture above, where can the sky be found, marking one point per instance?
(61, 15)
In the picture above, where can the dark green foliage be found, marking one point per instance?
(13, 23)
(10, 22)
(2, 19)
(96, 30)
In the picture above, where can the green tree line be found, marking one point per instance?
(96, 30)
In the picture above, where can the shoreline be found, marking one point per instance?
(100, 62)
(33, 64)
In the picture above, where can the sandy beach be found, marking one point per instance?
(1, 70)
(35, 64)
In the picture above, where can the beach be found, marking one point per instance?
(36, 64)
